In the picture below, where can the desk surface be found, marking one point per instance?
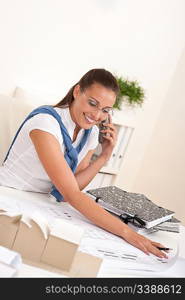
(177, 270)
(30, 271)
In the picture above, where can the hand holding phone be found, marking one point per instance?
(102, 126)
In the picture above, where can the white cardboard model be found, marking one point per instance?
(32, 236)
(54, 249)
(64, 240)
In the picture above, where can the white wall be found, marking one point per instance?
(162, 173)
(48, 44)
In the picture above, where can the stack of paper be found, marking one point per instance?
(171, 225)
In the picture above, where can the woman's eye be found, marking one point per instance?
(106, 110)
(92, 103)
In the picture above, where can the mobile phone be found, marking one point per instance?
(102, 126)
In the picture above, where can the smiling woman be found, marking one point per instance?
(92, 98)
(95, 104)
(52, 150)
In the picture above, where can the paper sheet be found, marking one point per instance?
(7, 271)
(10, 257)
(7, 205)
(112, 269)
(122, 256)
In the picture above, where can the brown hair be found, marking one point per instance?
(100, 76)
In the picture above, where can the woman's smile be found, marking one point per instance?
(89, 120)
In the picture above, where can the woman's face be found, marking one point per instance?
(91, 106)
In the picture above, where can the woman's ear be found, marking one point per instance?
(76, 91)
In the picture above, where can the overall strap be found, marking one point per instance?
(71, 153)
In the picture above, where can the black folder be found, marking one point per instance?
(130, 207)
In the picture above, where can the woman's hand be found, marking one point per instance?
(109, 140)
(142, 243)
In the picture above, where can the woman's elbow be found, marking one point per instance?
(72, 196)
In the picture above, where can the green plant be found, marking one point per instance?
(130, 92)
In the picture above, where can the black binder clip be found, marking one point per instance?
(97, 198)
(132, 219)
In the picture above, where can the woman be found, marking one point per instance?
(39, 156)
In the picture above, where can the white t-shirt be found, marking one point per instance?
(23, 169)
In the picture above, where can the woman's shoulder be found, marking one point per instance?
(62, 111)
(44, 122)
(42, 118)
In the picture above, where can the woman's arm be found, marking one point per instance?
(53, 161)
(88, 169)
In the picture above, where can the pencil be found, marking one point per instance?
(161, 248)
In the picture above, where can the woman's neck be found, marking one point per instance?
(77, 128)
(76, 131)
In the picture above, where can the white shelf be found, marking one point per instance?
(107, 170)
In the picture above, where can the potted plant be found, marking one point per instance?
(131, 93)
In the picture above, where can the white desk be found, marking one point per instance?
(177, 270)
(30, 271)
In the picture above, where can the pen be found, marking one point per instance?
(161, 248)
